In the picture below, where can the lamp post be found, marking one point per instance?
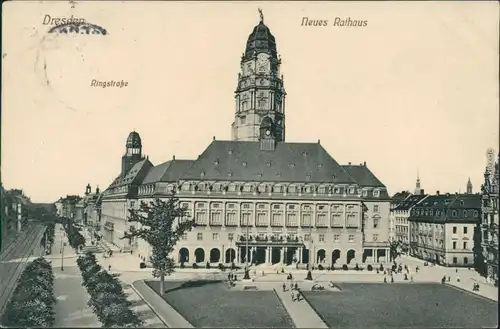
(310, 243)
(62, 253)
(247, 271)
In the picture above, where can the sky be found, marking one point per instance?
(416, 90)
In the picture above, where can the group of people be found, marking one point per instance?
(398, 269)
(231, 278)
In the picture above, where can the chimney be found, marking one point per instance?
(349, 163)
(364, 163)
(437, 192)
(319, 141)
(213, 138)
(173, 157)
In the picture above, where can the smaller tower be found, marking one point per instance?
(88, 189)
(418, 190)
(97, 190)
(469, 186)
(133, 152)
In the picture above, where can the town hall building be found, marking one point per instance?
(256, 194)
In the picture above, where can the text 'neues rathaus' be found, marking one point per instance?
(285, 202)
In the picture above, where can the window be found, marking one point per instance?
(262, 219)
(454, 244)
(276, 220)
(375, 237)
(321, 220)
(132, 204)
(261, 236)
(336, 237)
(454, 230)
(184, 236)
(276, 207)
(216, 218)
(245, 219)
(291, 220)
(215, 236)
(351, 237)
(243, 119)
(231, 219)
(376, 193)
(199, 236)
(465, 245)
(375, 222)
(246, 205)
(352, 220)
(375, 208)
(466, 260)
(230, 236)
(465, 229)
(306, 220)
(307, 237)
(455, 260)
(321, 238)
(337, 220)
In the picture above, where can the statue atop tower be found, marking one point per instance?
(260, 92)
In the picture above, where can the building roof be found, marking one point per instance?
(288, 162)
(134, 140)
(444, 208)
(135, 175)
(169, 171)
(409, 202)
(261, 40)
(363, 176)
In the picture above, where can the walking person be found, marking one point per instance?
(284, 287)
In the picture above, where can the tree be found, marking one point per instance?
(162, 224)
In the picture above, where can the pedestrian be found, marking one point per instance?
(293, 296)
(291, 285)
(296, 286)
(109, 268)
(392, 279)
(229, 277)
(385, 279)
(284, 287)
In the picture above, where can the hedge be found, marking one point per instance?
(107, 299)
(75, 238)
(32, 303)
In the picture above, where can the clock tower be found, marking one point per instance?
(260, 92)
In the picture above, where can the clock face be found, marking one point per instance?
(268, 132)
(262, 60)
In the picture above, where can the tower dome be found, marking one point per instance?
(260, 40)
(134, 140)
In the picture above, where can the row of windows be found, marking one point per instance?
(274, 206)
(230, 236)
(276, 219)
(439, 212)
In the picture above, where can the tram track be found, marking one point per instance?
(11, 269)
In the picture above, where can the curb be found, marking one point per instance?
(186, 324)
(147, 303)
(471, 292)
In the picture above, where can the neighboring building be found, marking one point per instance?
(59, 207)
(489, 222)
(396, 200)
(14, 211)
(442, 228)
(400, 214)
(68, 206)
(286, 201)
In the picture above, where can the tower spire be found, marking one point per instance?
(418, 190)
(261, 14)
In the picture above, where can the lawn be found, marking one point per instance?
(210, 304)
(402, 305)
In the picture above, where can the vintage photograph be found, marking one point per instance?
(258, 164)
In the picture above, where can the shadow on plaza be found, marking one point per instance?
(192, 284)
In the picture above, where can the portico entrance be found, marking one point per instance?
(271, 252)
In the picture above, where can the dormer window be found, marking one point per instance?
(230, 151)
(244, 164)
(304, 153)
(259, 174)
(202, 174)
(308, 175)
(279, 174)
(320, 165)
(230, 174)
(454, 213)
(376, 193)
(292, 164)
(268, 164)
(216, 162)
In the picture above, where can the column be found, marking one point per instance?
(285, 255)
(270, 255)
(387, 255)
(238, 260)
(300, 254)
(282, 255)
(224, 214)
(250, 251)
